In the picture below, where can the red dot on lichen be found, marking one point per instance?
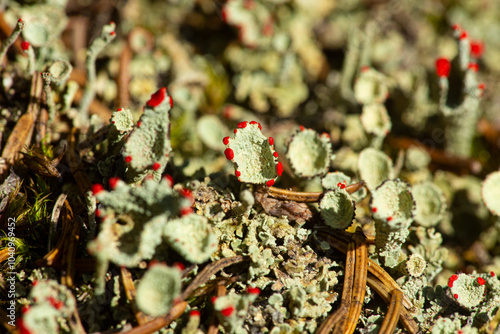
(473, 67)
(455, 296)
(443, 67)
(185, 193)
(301, 128)
(224, 15)
(25, 45)
(253, 291)
(279, 168)
(156, 166)
(25, 309)
(260, 126)
(476, 48)
(179, 265)
(227, 311)
(275, 154)
(480, 281)
(171, 102)
(157, 97)
(112, 33)
(374, 209)
(389, 219)
(492, 274)
(463, 35)
(98, 213)
(456, 27)
(481, 86)
(271, 141)
(225, 140)
(253, 122)
(170, 179)
(365, 68)
(229, 153)
(235, 130)
(97, 188)
(237, 173)
(119, 109)
(186, 211)
(228, 110)
(20, 20)
(139, 124)
(213, 299)
(270, 183)
(242, 125)
(194, 313)
(128, 159)
(113, 181)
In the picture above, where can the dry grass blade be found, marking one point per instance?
(333, 319)
(359, 289)
(69, 256)
(158, 323)
(386, 294)
(208, 271)
(128, 285)
(304, 197)
(392, 317)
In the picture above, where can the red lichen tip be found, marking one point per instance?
(213, 299)
(171, 102)
(235, 130)
(275, 154)
(365, 68)
(179, 266)
(97, 188)
(463, 35)
(481, 86)
(452, 279)
(481, 281)
(342, 186)
(492, 274)
(271, 141)
(112, 33)
(119, 109)
(279, 168)
(301, 127)
(139, 124)
(389, 219)
(455, 296)
(98, 213)
(456, 27)
(57, 304)
(25, 45)
(194, 313)
(227, 311)
(113, 181)
(270, 183)
(157, 97)
(187, 210)
(229, 153)
(237, 173)
(374, 209)
(473, 67)
(156, 166)
(128, 159)
(443, 67)
(260, 126)
(169, 179)
(20, 20)
(225, 140)
(25, 309)
(242, 125)
(476, 48)
(253, 122)
(186, 193)
(253, 291)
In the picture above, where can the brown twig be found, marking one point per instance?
(343, 310)
(439, 157)
(123, 79)
(392, 317)
(69, 256)
(305, 197)
(128, 285)
(158, 323)
(213, 328)
(208, 271)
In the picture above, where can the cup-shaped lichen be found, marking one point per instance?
(374, 167)
(371, 87)
(415, 265)
(338, 179)
(392, 207)
(148, 146)
(337, 208)
(309, 153)
(192, 237)
(375, 120)
(122, 124)
(467, 290)
(430, 202)
(253, 154)
(157, 289)
(490, 191)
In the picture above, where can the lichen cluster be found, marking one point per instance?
(183, 161)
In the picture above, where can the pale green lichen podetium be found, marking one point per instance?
(157, 289)
(122, 123)
(392, 208)
(490, 192)
(148, 147)
(337, 208)
(461, 118)
(11, 39)
(107, 36)
(253, 155)
(309, 153)
(431, 203)
(374, 167)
